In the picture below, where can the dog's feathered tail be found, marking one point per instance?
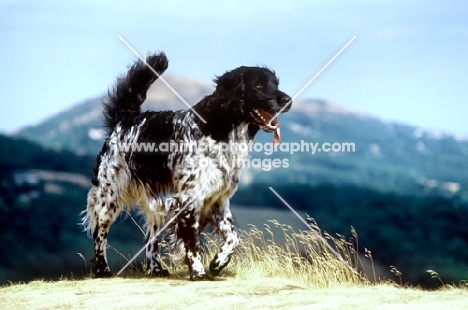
(129, 93)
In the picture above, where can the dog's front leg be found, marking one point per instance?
(224, 223)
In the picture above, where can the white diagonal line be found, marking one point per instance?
(161, 78)
(314, 77)
(155, 236)
(315, 232)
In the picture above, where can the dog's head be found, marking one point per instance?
(252, 94)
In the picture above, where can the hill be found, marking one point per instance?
(386, 156)
(42, 192)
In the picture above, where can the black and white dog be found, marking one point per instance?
(161, 184)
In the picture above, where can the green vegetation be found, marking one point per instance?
(20, 154)
(38, 218)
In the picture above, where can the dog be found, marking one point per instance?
(175, 185)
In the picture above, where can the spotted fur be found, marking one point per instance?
(161, 184)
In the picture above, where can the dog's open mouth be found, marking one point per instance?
(268, 122)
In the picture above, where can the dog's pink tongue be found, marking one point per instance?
(277, 137)
(274, 122)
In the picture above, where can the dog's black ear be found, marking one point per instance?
(230, 87)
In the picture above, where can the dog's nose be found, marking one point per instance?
(284, 100)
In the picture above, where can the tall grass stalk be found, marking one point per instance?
(280, 251)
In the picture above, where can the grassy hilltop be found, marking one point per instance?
(300, 274)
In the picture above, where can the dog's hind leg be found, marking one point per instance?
(153, 262)
(223, 222)
(186, 241)
(102, 212)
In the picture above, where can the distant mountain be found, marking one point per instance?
(80, 128)
(386, 156)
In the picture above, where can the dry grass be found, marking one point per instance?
(278, 251)
(225, 293)
(301, 256)
(312, 258)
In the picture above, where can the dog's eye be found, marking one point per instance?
(259, 86)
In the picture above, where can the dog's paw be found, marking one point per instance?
(216, 267)
(215, 270)
(102, 274)
(202, 277)
(163, 273)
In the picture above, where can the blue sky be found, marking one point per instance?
(408, 63)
